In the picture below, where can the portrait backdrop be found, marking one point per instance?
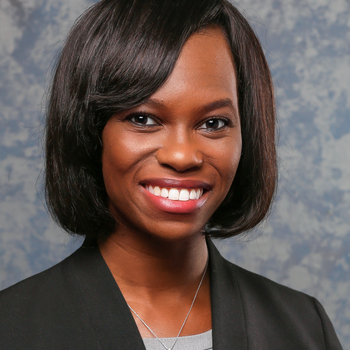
(305, 243)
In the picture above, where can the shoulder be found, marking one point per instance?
(282, 312)
(260, 295)
(257, 287)
(36, 288)
(56, 283)
(264, 288)
(273, 313)
(49, 299)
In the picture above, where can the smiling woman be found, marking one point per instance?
(185, 138)
(160, 134)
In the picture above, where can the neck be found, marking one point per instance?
(146, 262)
(158, 278)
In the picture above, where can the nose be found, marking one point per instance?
(180, 153)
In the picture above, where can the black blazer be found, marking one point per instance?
(78, 305)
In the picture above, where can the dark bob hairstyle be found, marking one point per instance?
(118, 53)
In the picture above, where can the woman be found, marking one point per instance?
(160, 135)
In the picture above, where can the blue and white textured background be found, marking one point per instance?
(305, 243)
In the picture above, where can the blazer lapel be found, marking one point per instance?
(106, 308)
(229, 331)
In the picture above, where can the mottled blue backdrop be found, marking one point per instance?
(305, 243)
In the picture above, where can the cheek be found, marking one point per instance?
(114, 160)
(123, 155)
(120, 152)
(225, 157)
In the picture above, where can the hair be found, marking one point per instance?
(118, 53)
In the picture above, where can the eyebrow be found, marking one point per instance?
(226, 102)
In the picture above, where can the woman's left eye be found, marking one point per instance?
(214, 124)
(142, 119)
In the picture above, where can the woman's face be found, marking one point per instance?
(169, 163)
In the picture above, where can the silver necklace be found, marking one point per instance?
(177, 337)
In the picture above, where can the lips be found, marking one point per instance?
(176, 196)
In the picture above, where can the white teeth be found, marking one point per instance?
(164, 193)
(156, 191)
(184, 195)
(193, 194)
(176, 194)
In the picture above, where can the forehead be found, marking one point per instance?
(204, 69)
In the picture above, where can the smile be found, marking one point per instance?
(176, 194)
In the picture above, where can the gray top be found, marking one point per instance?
(201, 341)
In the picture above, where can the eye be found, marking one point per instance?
(142, 119)
(214, 124)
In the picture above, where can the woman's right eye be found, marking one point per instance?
(142, 119)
